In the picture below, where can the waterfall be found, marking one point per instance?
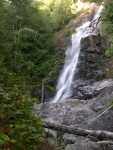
(64, 86)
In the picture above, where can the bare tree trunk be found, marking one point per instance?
(92, 134)
(42, 93)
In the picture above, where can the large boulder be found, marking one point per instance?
(86, 89)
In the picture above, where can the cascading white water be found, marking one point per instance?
(64, 86)
(66, 77)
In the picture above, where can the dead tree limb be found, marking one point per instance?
(98, 134)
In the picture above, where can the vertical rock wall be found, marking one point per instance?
(91, 66)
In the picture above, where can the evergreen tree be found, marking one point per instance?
(28, 54)
(107, 20)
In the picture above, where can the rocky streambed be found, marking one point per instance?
(86, 114)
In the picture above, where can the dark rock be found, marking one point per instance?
(91, 60)
(94, 58)
(106, 145)
(88, 89)
(93, 43)
(48, 92)
(36, 92)
(97, 106)
(104, 122)
(89, 145)
(47, 145)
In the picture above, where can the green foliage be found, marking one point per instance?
(59, 144)
(70, 31)
(107, 18)
(61, 12)
(50, 88)
(27, 41)
(107, 21)
(110, 104)
(109, 52)
(19, 127)
(4, 139)
(28, 55)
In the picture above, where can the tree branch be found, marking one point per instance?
(98, 134)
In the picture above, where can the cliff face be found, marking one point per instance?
(92, 59)
(91, 67)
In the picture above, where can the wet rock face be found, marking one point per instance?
(91, 66)
(91, 61)
(92, 43)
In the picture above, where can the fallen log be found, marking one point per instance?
(98, 134)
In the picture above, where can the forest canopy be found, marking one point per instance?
(28, 53)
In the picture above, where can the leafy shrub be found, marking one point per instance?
(109, 52)
(107, 22)
(70, 31)
(19, 127)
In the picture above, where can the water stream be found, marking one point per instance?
(64, 86)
